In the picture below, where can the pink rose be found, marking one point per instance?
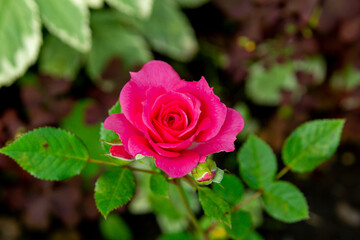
(177, 122)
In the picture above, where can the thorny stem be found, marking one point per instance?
(187, 208)
(246, 201)
(282, 172)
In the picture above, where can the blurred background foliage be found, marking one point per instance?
(279, 62)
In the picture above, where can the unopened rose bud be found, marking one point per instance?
(204, 173)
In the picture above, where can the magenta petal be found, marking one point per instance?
(224, 140)
(119, 124)
(119, 151)
(140, 145)
(131, 98)
(155, 74)
(179, 166)
(210, 106)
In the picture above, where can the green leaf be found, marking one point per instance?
(137, 8)
(175, 236)
(214, 206)
(241, 225)
(159, 185)
(112, 38)
(257, 162)
(114, 228)
(264, 86)
(191, 3)
(68, 20)
(113, 189)
(162, 205)
(230, 189)
(49, 153)
(254, 208)
(106, 134)
(254, 236)
(58, 59)
(311, 144)
(348, 78)
(316, 66)
(170, 32)
(285, 202)
(95, 3)
(20, 38)
(75, 122)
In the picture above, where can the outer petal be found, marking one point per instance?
(224, 140)
(179, 166)
(155, 74)
(210, 106)
(119, 151)
(174, 167)
(119, 124)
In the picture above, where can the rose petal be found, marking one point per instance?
(119, 124)
(155, 74)
(179, 166)
(119, 151)
(174, 167)
(224, 140)
(210, 106)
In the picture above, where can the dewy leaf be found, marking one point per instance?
(68, 20)
(159, 185)
(58, 59)
(257, 162)
(230, 189)
(114, 228)
(311, 144)
(264, 86)
(214, 206)
(241, 225)
(285, 202)
(49, 153)
(20, 38)
(137, 8)
(112, 38)
(113, 189)
(169, 31)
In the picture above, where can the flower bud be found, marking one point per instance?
(204, 173)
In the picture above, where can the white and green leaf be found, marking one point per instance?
(68, 20)
(20, 38)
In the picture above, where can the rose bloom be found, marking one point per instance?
(175, 121)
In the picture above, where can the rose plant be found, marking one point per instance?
(159, 137)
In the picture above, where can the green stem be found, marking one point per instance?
(282, 172)
(140, 170)
(246, 201)
(102, 162)
(187, 208)
(117, 165)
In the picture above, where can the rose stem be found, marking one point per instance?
(140, 170)
(282, 172)
(187, 207)
(116, 165)
(246, 201)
